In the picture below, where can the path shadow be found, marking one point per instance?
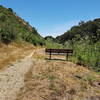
(55, 59)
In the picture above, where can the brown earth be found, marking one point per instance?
(37, 78)
(59, 80)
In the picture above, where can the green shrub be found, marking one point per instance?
(7, 37)
(14, 28)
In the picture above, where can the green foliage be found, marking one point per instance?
(13, 28)
(52, 44)
(85, 54)
(10, 9)
(6, 36)
(89, 30)
(84, 39)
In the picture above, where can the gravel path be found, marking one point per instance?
(12, 78)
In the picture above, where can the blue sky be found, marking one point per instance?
(54, 17)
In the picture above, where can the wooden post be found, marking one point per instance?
(50, 54)
(67, 56)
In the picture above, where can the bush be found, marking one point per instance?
(2, 18)
(7, 37)
(85, 54)
(10, 9)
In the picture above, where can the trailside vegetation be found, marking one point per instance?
(13, 28)
(84, 39)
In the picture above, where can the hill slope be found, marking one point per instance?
(13, 28)
(85, 30)
(84, 39)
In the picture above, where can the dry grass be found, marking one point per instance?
(59, 80)
(11, 53)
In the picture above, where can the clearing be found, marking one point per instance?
(59, 80)
(35, 78)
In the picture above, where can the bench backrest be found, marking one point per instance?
(59, 50)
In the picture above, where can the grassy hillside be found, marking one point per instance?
(84, 31)
(13, 28)
(84, 39)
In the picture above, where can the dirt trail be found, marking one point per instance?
(12, 78)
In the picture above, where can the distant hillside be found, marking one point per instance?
(85, 30)
(13, 28)
(84, 39)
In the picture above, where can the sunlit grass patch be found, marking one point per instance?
(13, 52)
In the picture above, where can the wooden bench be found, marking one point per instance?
(66, 52)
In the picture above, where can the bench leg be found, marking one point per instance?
(67, 56)
(50, 55)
